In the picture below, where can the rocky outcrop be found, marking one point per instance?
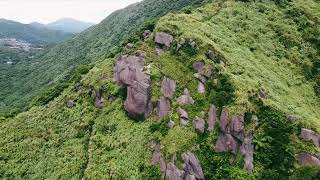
(309, 135)
(192, 166)
(212, 118)
(226, 143)
(186, 98)
(168, 87)
(199, 124)
(128, 72)
(71, 104)
(98, 99)
(184, 118)
(203, 74)
(163, 40)
(306, 159)
(163, 107)
(247, 149)
(156, 155)
(224, 120)
(237, 127)
(173, 173)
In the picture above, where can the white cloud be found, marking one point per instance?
(45, 11)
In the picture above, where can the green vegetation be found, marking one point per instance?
(261, 47)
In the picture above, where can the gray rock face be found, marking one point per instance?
(192, 165)
(226, 143)
(247, 149)
(147, 34)
(173, 173)
(171, 124)
(212, 118)
(98, 100)
(237, 127)
(199, 124)
(306, 159)
(184, 118)
(128, 72)
(163, 39)
(71, 104)
(186, 98)
(309, 135)
(164, 107)
(224, 120)
(168, 87)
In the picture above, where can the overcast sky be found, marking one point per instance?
(45, 11)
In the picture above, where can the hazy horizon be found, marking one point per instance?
(47, 11)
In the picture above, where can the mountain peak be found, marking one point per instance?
(69, 25)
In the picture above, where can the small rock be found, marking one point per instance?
(306, 159)
(184, 118)
(190, 177)
(263, 94)
(237, 127)
(185, 99)
(212, 118)
(147, 34)
(168, 87)
(156, 155)
(224, 120)
(130, 46)
(141, 54)
(163, 165)
(226, 143)
(201, 88)
(199, 124)
(309, 135)
(292, 118)
(199, 67)
(173, 173)
(171, 124)
(211, 55)
(71, 104)
(98, 100)
(192, 165)
(164, 107)
(247, 150)
(77, 87)
(163, 39)
(193, 44)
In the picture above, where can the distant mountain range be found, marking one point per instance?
(68, 25)
(31, 33)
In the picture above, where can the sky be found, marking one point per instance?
(45, 11)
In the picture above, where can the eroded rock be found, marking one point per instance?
(128, 72)
(309, 135)
(186, 98)
(156, 155)
(168, 87)
(163, 39)
(199, 124)
(164, 107)
(173, 173)
(212, 118)
(237, 127)
(306, 159)
(247, 149)
(226, 143)
(184, 118)
(224, 120)
(192, 165)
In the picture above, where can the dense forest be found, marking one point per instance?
(218, 89)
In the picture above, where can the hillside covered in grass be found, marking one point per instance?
(251, 69)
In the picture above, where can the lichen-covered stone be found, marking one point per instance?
(168, 87)
(212, 118)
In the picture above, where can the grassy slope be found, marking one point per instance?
(106, 144)
(88, 47)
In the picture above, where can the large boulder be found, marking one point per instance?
(192, 165)
(163, 39)
(224, 120)
(128, 72)
(212, 118)
(186, 98)
(226, 143)
(164, 107)
(247, 149)
(168, 87)
(184, 118)
(237, 127)
(199, 124)
(306, 159)
(309, 135)
(173, 173)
